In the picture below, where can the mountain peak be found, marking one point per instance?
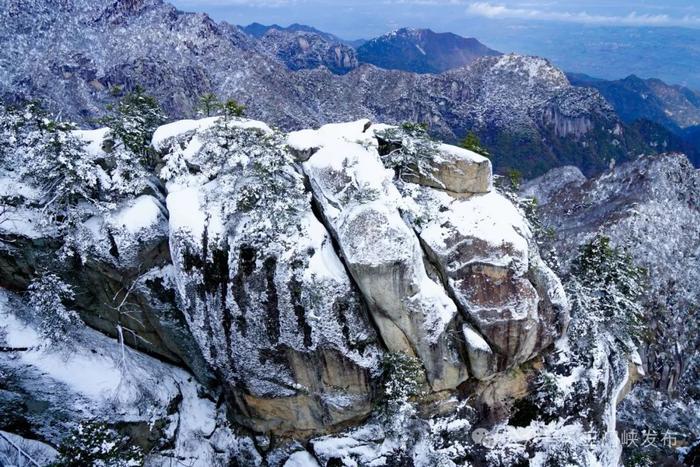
(422, 51)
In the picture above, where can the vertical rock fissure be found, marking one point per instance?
(317, 211)
(462, 315)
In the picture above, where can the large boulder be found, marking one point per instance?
(358, 202)
(483, 248)
(264, 293)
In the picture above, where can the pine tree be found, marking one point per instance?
(606, 290)
(209, 104)
(133, 120)
(233, 109)
(46, 296)
(63, 170)
(472, 143)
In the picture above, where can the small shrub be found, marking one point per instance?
(95, 444)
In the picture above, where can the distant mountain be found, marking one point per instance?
(258, 30)
(422, 51)
(676, 108)
(302, 50)
(69, 54)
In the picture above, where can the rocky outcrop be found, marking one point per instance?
(480, 245)
(306, 50)
(651, 209)
(358, 201)
(265, 295)
(484, 251)
(117, 260)
(46, 392)
(282, 269)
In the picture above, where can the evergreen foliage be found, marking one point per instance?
(606, 290)
(255, 175)
(133, 119)
(232, 109)
(47, 294)
(409, 150)
(472, 143)
(95, 444)
(402, 378)
(209, 104)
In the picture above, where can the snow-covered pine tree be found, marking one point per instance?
(47, 294)
(63, 170)
(133, 120)
(606, 289)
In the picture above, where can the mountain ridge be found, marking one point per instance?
(523, 108)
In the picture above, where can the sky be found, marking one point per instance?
(604, 38)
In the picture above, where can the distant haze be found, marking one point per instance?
(605, 38)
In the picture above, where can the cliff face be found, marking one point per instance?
(649, 207)
(284, 271)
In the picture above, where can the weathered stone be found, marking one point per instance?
(482, 360)
(267, 299)
(413, 313)
(457, 170)
(482, 247)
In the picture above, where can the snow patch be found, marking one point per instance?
(141, 214)
(94, 139)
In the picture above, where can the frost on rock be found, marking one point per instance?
(360, 205)
(265, 295)
(73, 203)
(159, 405)
(484, 250)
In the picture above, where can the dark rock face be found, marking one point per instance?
(148, 314)
(304, 50)
(422, 51)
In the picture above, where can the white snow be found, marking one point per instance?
(301, 459)
(185, 205)
(489, 217)
(180, 127)
(142, 213)
(94, 140)
(92, 375)
(475, 341)
(352, 132)
(21, 221)
(462, 153)
(12, 186)
(325, 262)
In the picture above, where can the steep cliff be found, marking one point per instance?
(353, 294)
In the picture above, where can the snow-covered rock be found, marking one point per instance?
(359, 203)
(265, 295)
(49, 390)
(281, 270)
(484, 250)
